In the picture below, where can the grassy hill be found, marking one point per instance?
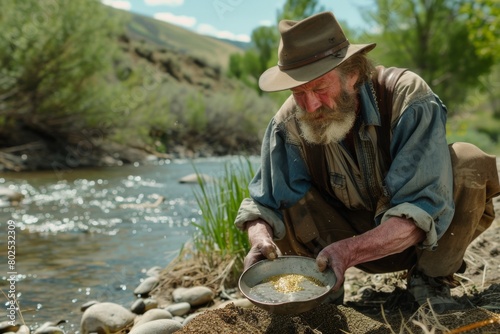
(193, 108)
(160, 89)
(163, 35)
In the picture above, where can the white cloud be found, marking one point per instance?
(266, 23)
(185, 21)
(207, 29)
(173, 3)
(125, 5)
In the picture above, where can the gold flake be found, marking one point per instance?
(288, 283)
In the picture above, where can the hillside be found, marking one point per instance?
(169, 95)
(163, 35)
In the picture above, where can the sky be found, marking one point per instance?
(230, 19)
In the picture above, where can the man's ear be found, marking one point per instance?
(352, 80)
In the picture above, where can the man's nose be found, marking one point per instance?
(312, 102)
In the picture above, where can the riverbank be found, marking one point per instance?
(89, 153)
(190, 296)
(365, 294)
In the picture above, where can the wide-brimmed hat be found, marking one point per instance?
(307, 50)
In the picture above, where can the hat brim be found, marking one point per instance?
(274, 79)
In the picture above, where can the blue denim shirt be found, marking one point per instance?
(419, 181)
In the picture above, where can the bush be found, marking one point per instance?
(56, 61)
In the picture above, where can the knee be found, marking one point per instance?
(472, 164)
(465, 152)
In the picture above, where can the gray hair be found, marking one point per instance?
(359, 63)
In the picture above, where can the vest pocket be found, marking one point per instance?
(339, 187)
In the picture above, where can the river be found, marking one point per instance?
(78, 239)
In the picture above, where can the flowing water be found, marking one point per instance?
(78, 236)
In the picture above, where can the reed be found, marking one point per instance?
(219, 201)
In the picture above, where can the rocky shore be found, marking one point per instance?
(145, 316)
(174, 300)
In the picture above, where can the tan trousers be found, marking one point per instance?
(313, 223)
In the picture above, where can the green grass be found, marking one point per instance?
(219, 201)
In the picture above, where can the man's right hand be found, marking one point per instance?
(260, 236)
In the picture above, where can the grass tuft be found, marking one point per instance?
(219, 201)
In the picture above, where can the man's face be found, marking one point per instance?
(326, 108)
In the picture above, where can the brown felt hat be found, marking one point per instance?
(308, 49)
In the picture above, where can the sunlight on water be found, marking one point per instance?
(51, 208)
(92, 235)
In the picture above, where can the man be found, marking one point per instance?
(353, 185)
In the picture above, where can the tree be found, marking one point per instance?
(483, 23)
(265, 40)
(299, 9)
(56, 64)
(431, 37)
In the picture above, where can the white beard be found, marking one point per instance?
(332, 132)
(329, 125)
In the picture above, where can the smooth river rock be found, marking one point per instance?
(88, 304)
(49, 330)
(105, 318)
(6, 326)
(12, 196)
(240, 302)
(154, 314)
(143, 305)
(195, 296)
(179, 309)
(23, 330)
(147, 286)
(154, 271)
(162, 326)
(193, 178)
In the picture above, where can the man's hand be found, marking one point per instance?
(334, 257)
(391, 237)
(260, 235)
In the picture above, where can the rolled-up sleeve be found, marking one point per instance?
(420, 179)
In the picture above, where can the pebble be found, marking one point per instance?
(162, 326)
(144, 316)
(147, 286)
(179, 319)
(240, 302)
(6, 326)
(193, 178)
(88, 304)
(154, 314)
(105, 318)
(154, 271)
(142, 305)
(195, 296)
(179, 309)
(49, 330)
(23, 330)
(12, 196)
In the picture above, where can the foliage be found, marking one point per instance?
(475, 123)
(219, 201)
(432, 39)
(165, 115)
(56, 62)
(483, 24)
(265, 40)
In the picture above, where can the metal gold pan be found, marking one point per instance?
(289, 303)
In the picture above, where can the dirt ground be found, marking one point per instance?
(380, 304)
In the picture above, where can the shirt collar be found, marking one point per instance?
(368, 111)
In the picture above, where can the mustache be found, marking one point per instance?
(344, 104)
